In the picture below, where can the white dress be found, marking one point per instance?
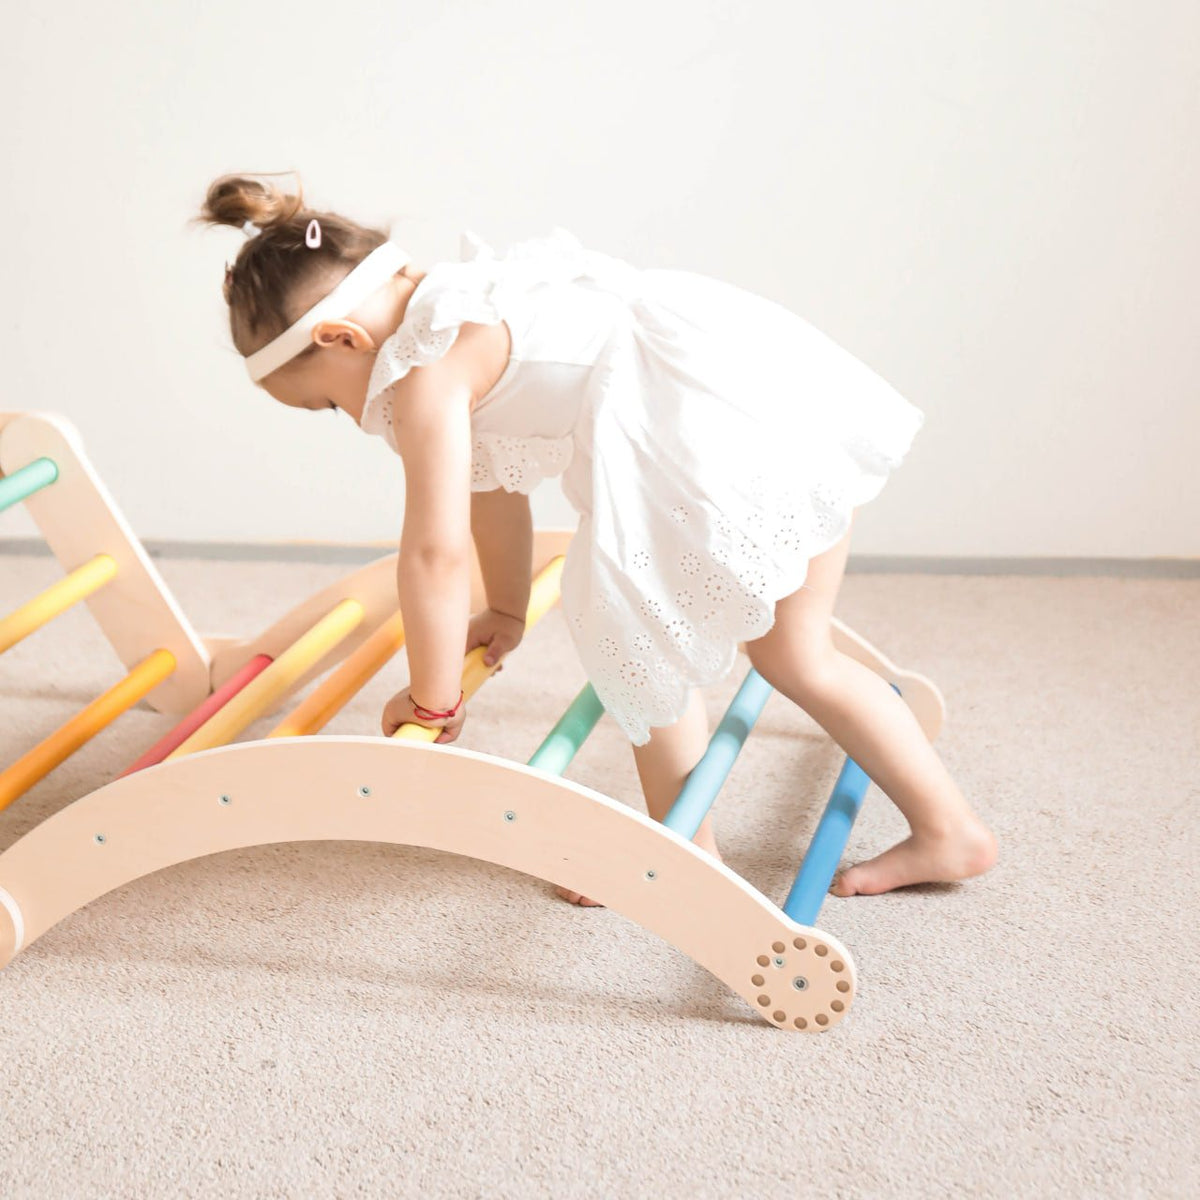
(711, 441)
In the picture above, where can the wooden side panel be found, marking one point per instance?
(410, 793)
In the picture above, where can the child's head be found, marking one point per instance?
(279, 275)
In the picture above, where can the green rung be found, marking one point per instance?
(24, 482)
(563, 741)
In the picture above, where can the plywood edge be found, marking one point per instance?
(440, 797)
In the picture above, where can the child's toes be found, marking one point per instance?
(577, 898)
(840, 886)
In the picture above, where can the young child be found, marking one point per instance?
(715, 445)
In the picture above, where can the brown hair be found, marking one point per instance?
(275, 264)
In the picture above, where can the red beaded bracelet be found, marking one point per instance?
(427, 714)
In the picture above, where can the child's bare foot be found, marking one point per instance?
(921, 858)
(577, 898)
(704, 839)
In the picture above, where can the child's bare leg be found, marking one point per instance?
(862, 713)
(663, 764)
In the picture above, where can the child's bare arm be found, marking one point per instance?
(431, 425)
(503, 532)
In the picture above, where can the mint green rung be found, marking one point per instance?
(563, 741)
(24, 482)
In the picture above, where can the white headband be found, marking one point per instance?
(376, 269)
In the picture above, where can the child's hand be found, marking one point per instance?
(399, 711)
(498, 631)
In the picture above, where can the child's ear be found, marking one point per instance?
(329, 333)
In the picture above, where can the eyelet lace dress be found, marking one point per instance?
(712, 442)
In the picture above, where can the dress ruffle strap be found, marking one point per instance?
(477, 290)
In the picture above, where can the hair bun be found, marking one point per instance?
(236, 199)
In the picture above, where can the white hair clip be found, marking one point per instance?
(250, 229)
(312, 235)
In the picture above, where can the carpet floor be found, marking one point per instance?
(352, 1019)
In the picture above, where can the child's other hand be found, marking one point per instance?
(498, 631)
(399, 711)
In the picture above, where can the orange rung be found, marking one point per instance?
(331, 695)
(82, 727)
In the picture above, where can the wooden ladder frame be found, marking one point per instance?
(346, 788)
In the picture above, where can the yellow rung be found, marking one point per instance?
(261, 692)
(56, 599)
(544, 592)
(102, 711)
(331, 695)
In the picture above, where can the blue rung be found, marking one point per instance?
(563, 741)
(829, 841)
(702, 785)
(825, 851)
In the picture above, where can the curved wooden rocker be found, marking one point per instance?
(347, 788)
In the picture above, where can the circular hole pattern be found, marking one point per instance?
(837, 965)
(764, 1000)
(757, 980)
(821, 950)
(777, 947)
(779, 1016)
(763, 960)
(800, 1023)
(799, 943)
(843, 985)
(822, 1019)
(837, 1006)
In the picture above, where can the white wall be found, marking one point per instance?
(992, 204)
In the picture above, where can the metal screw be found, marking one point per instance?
(510, 816)
(779, 962)
(100, 839)
(800, 983)
(364, 790)
(652, 874)
(225, 799)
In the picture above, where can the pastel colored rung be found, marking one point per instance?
(56, 599)
(824, 853)
(825, 850)
(258, 696)
(201, 713)
(84, 726)
(22, 483)
(704, 782)
(333, 693)
(569, 733)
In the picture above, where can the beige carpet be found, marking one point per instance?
(360, 1020)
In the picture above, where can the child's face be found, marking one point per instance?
(336, 376)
